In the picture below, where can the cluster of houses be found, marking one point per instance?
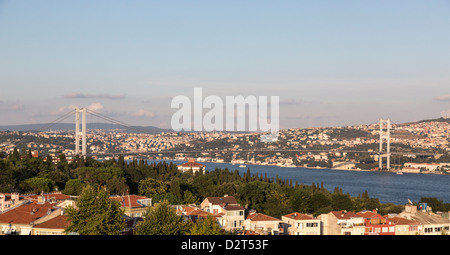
(44, 215)
(414, 220)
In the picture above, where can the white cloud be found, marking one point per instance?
(443, 98)
(143, 113)
(95, 107)
(84, 95)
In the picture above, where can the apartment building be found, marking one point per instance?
(262, 224)
(232, 213)
(301, 224)
(430, 223)
(375, 224)
(342, 223)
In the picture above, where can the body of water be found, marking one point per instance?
(388, 187)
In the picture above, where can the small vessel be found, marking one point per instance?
(399, 172)
(242, 166)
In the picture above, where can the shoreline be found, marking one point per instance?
(314, 168)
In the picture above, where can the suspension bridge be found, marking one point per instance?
(81, 142)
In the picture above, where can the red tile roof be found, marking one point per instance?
(343, 215)
(194, 211)
(59, 222)
(260, 217)
(233, 207)
(192, 164)
(25, 214)
(56, 196)
(298, 216)
(129, 200)
(402, 221)
(368, 214)
(221, 200)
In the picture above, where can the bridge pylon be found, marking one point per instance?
(80, 133)
(385, 135)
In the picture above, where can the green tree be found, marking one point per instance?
(74, 187)
(190, 198)
(277, 203)
(162, 220)
(253, 194)
(149, 187)
(301, 201)
(95, 214)
(207, 226)
(341, 202)
(37, 185)
(111, 177)
(319, 200)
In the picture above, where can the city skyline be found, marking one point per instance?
(330, 63)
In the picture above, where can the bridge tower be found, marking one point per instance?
(80, 134)
(385, 134)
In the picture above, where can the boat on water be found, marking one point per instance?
(399, 172)
(242, 165)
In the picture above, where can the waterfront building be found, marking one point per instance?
(193, 166)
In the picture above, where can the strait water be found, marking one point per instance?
(387, 187)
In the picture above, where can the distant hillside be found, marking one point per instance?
(441, 119)
(71, 126)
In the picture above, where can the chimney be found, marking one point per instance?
(41, 199)
(15, 197)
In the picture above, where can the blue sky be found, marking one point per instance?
(331, 62)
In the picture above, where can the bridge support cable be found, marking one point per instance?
(58, 120)
(117, 122)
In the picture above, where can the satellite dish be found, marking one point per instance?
(409, 201)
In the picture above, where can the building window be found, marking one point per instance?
(311, 224)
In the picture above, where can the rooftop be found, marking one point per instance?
(59, 222)
(298, 216)
(26, 213)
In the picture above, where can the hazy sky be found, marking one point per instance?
(330, 62)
